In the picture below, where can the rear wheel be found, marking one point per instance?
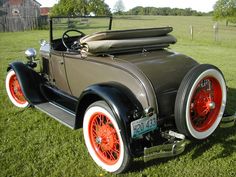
(200, 101)
(14, 90)
(104, 139)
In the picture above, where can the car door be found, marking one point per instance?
(59, 73)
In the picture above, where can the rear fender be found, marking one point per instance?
(120, 99)
(30, 82)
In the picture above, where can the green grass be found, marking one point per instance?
(32, 144)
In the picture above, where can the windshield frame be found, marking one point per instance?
(74, 17)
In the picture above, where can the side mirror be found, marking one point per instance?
(31, 54)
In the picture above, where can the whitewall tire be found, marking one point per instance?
(104, 140)
(200, 101)
(14, 90)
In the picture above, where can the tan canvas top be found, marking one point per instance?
(126, 40)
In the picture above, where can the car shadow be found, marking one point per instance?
(140, 165)
(222, 136)
(231, 101)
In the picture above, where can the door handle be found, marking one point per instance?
(61, 62)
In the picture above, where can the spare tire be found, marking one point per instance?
(200, 101)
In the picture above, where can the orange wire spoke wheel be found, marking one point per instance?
(205, 104)
(104, 138)
(200, 101)
(16, 91)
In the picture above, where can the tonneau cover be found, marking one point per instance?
(121, 41)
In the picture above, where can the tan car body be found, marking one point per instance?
(132, 95)
(150, 75)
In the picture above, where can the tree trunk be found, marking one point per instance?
(227, 23)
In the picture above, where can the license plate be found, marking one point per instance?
(144, 125)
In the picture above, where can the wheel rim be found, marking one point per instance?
(104, 138)
(15, 90)
(205, 104)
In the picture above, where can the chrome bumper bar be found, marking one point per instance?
(177, 142)
(166, 150)
(228, 121)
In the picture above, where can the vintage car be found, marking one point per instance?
(131, 95)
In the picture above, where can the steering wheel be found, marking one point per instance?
(66, 40)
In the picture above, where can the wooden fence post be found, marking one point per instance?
(216, 31)
(191, 31)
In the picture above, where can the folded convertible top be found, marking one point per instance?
(122, 41)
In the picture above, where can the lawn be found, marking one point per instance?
(32, 144)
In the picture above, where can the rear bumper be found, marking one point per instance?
(228, 121)
(175, 145)
(176, 142)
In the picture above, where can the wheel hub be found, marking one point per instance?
(16, 91)
(203, 103)
(98, 140)
(104, 138)
(212, 105)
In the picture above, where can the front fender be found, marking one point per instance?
(30, 82)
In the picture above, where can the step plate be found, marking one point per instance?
(60, 114)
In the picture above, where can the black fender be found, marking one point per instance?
(120, 99)
(30, 82)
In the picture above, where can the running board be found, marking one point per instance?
(60, 114)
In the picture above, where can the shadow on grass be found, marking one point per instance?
(222, 137)
(140, 165)
(225, 137)
(14, 111)
(231, 101)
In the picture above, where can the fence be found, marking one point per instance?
(201, 29)
(18, 18)
(13, 24)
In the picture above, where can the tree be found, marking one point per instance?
(99, 7)
(80, 8)
(69, 7)
(119, 7)
(225, 10)
(139, 10)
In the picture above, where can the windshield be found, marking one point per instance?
(88, 25)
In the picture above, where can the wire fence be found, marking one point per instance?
(200, 29)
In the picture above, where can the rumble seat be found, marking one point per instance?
(121, 41)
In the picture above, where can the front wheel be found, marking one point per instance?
(14, 90)
(200, 101)
(104, 139)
